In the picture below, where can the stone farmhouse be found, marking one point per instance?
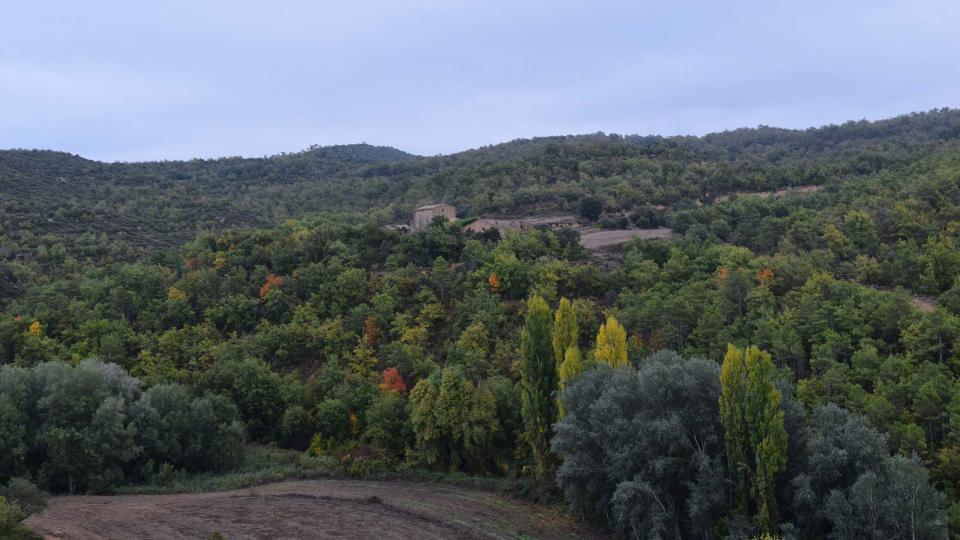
(423, 216)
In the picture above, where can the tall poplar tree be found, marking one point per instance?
(565, 330)
(754, 432)
(571, 367)
(538, 380)
(565, 349)
(611, 348)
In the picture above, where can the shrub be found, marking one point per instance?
(590, 207)
(10, 516)
(296, 428)
(618, 221)
(25, 495)
(333, 421)
(388, 425)
(645, 217)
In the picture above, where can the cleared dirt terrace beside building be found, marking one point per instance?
(309, 509)
(596, 239)
(599, 239)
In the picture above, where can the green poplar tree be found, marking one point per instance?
(423, 403)
(755, 436)
(452, 411)
(565, 349)
(571, 367)
(564, 330)
(538, 380)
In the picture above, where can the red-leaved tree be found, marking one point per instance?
(391, 381)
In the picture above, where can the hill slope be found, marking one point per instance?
(54, 204)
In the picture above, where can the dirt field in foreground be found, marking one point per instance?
(308, 509)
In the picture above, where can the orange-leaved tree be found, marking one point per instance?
(272, 281)
(392, 381)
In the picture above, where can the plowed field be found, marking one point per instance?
(308, 509)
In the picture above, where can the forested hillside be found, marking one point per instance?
(783, 365)
(53, 203)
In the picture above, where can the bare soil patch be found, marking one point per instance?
(921, 302)
(320, 509)
(927, 304)
(599, 239)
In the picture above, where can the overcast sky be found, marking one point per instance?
(165, 79)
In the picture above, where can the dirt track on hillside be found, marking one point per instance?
(308, 509)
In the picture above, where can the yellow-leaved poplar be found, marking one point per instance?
(611, 348)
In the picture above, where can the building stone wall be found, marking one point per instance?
(423, 216)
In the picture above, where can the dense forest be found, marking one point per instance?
(783, 366)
